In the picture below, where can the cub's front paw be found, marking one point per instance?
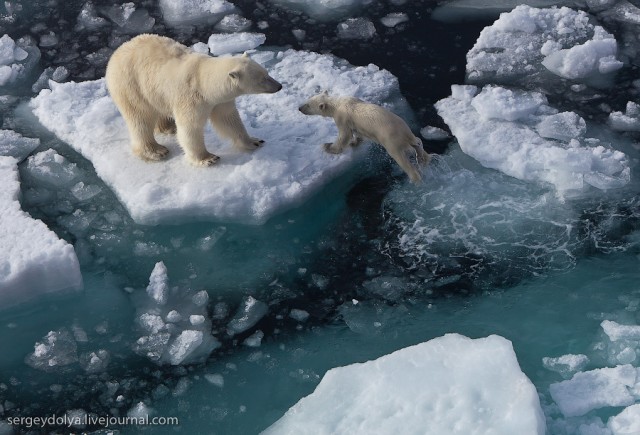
(328, 147)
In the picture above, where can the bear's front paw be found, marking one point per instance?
(207, 160)
(152, 152)
(328, 147)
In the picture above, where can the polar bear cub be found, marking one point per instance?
(357, 120)
(158, 83)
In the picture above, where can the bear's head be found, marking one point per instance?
(317, 105)
(248, 77)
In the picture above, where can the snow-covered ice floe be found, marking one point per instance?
(528, 42)
(33, 260)
(190, 12)
(240, 187)
(518, 133)
(448, 385)
(17, 59)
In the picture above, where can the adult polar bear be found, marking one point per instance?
(357, 120)
(155, 81)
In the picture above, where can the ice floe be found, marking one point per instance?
(508, 130)
(220, 44)
(190, 12)
(174, 321)
(324, 10)
(290, 166)
(594, 389)
(527, 42)
(450, 384)
(17, 59)
(15, 145)
(34, 260)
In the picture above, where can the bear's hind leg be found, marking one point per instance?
(141, 125)
(400, 156)
(166, 125)
(422, 156)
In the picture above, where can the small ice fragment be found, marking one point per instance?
(249, 313)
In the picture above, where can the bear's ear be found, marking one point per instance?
(325, 93)
(245, 54)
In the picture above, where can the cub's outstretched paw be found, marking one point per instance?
(328, 147)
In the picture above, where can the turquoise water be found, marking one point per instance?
(376, 263)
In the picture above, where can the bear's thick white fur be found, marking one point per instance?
(357, 119)
(157, 82)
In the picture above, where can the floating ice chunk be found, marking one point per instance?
(249, 313)
(215, 379)
(220, 44)
(189, 12)
(450, 384)
(88, 18)
(434, 133)
(394, 18)
(158, 284)
(15, 145)
(34, 260)
(356, 28)
(186, 337)
(95, 362)
(496, 102)
(526, 42)
(566, 365)
(299, 315)
(616, 331)
(562, 126)
(139, 413)
(584, 60)
(58, 74)
(240, 187)
(184, 345)
(52, 168)
(57, 349)
(463, 10)
(586, 391)
(254, 340)
(324, 10)
(17, 59)
(129, 19)
(484, 132)
(627, 422)
(233, 23)
(628, 121)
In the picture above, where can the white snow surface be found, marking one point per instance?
(501, 128)
(528, 40)
(245, 187)
(33, 260)
(448, 385)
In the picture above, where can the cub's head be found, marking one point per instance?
(317, 105)
(251, 78)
